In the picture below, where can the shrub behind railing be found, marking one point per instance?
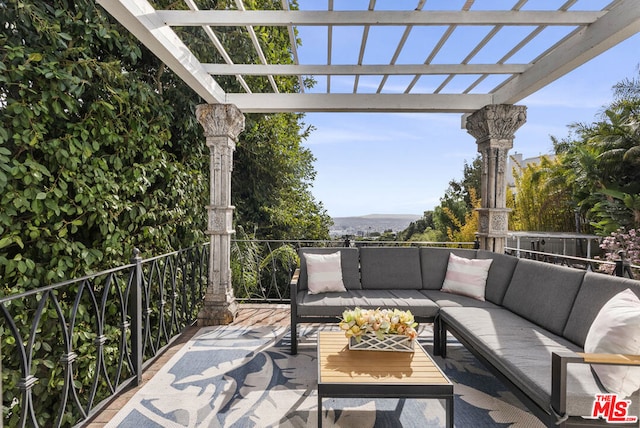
(69, 347)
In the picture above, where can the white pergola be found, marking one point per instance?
(444, 56)
(587, 28)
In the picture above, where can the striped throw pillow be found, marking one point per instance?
(324, 273)
(467, 277)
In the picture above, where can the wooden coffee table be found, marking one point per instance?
(343, 373)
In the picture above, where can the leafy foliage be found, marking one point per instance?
(85, 151)
(457, 201)
(275, 197)
(456, 207)
(602, 162)
(100, 152)
(418, 230)
(593, 178)
(542, 201)
(272, 172)
(466, 230)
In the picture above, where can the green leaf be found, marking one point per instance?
(35, 57)
(5, 241)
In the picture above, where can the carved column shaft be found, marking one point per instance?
(222, 124)
(494, 128)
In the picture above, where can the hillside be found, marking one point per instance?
(364, 225)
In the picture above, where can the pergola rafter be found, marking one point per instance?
(587, 33)
(237, 18)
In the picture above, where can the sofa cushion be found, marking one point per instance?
(467, 277)
(443, 299)
(521, 350)
(616, 330)
(390, 268)
(500, 274)
(596, 290)
(348, 262)
(324, 273)
(333, 304)
(434, 262)
(543, 293)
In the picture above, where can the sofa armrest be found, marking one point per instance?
(611, 359)
(293, 297)
(293, 285)
(559, 362)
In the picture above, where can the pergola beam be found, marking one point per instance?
(234, 18)
(349, 102)
(372, 70)
(139, 17)
(620, 23)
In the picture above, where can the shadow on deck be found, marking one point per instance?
(248, 315)
(250, 379)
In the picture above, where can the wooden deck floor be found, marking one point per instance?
(248, 314)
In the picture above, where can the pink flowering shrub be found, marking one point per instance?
(621, 240)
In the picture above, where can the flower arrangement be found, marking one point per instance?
(381, 322)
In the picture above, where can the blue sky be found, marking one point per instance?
(374, 163)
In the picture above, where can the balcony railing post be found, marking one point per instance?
(620, 264)
(135, 306)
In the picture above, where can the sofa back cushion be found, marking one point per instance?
(543, 293)
(596, 290)
(434, 262)
(348, 261)
(390, 267)
(500, 274)
(467, 277)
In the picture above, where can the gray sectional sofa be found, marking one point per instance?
(529, 331)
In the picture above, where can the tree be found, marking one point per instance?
(457, 200)
(602, 161)
(542, 200)
(272, 178)
(414, 231)
(272, 172)
(467, 230)
(455, 207)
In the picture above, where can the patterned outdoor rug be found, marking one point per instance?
(229, 376)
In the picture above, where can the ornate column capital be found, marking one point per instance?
(496, 122)
(220, 120)
(494, 127)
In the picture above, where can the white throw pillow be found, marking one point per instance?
(467, 277)
(324, 273)
(616, 330)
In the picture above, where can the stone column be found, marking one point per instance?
(494, 127)
(222, 123)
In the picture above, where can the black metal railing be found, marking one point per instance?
(620, 267)
(68, 348)
(262, 269)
